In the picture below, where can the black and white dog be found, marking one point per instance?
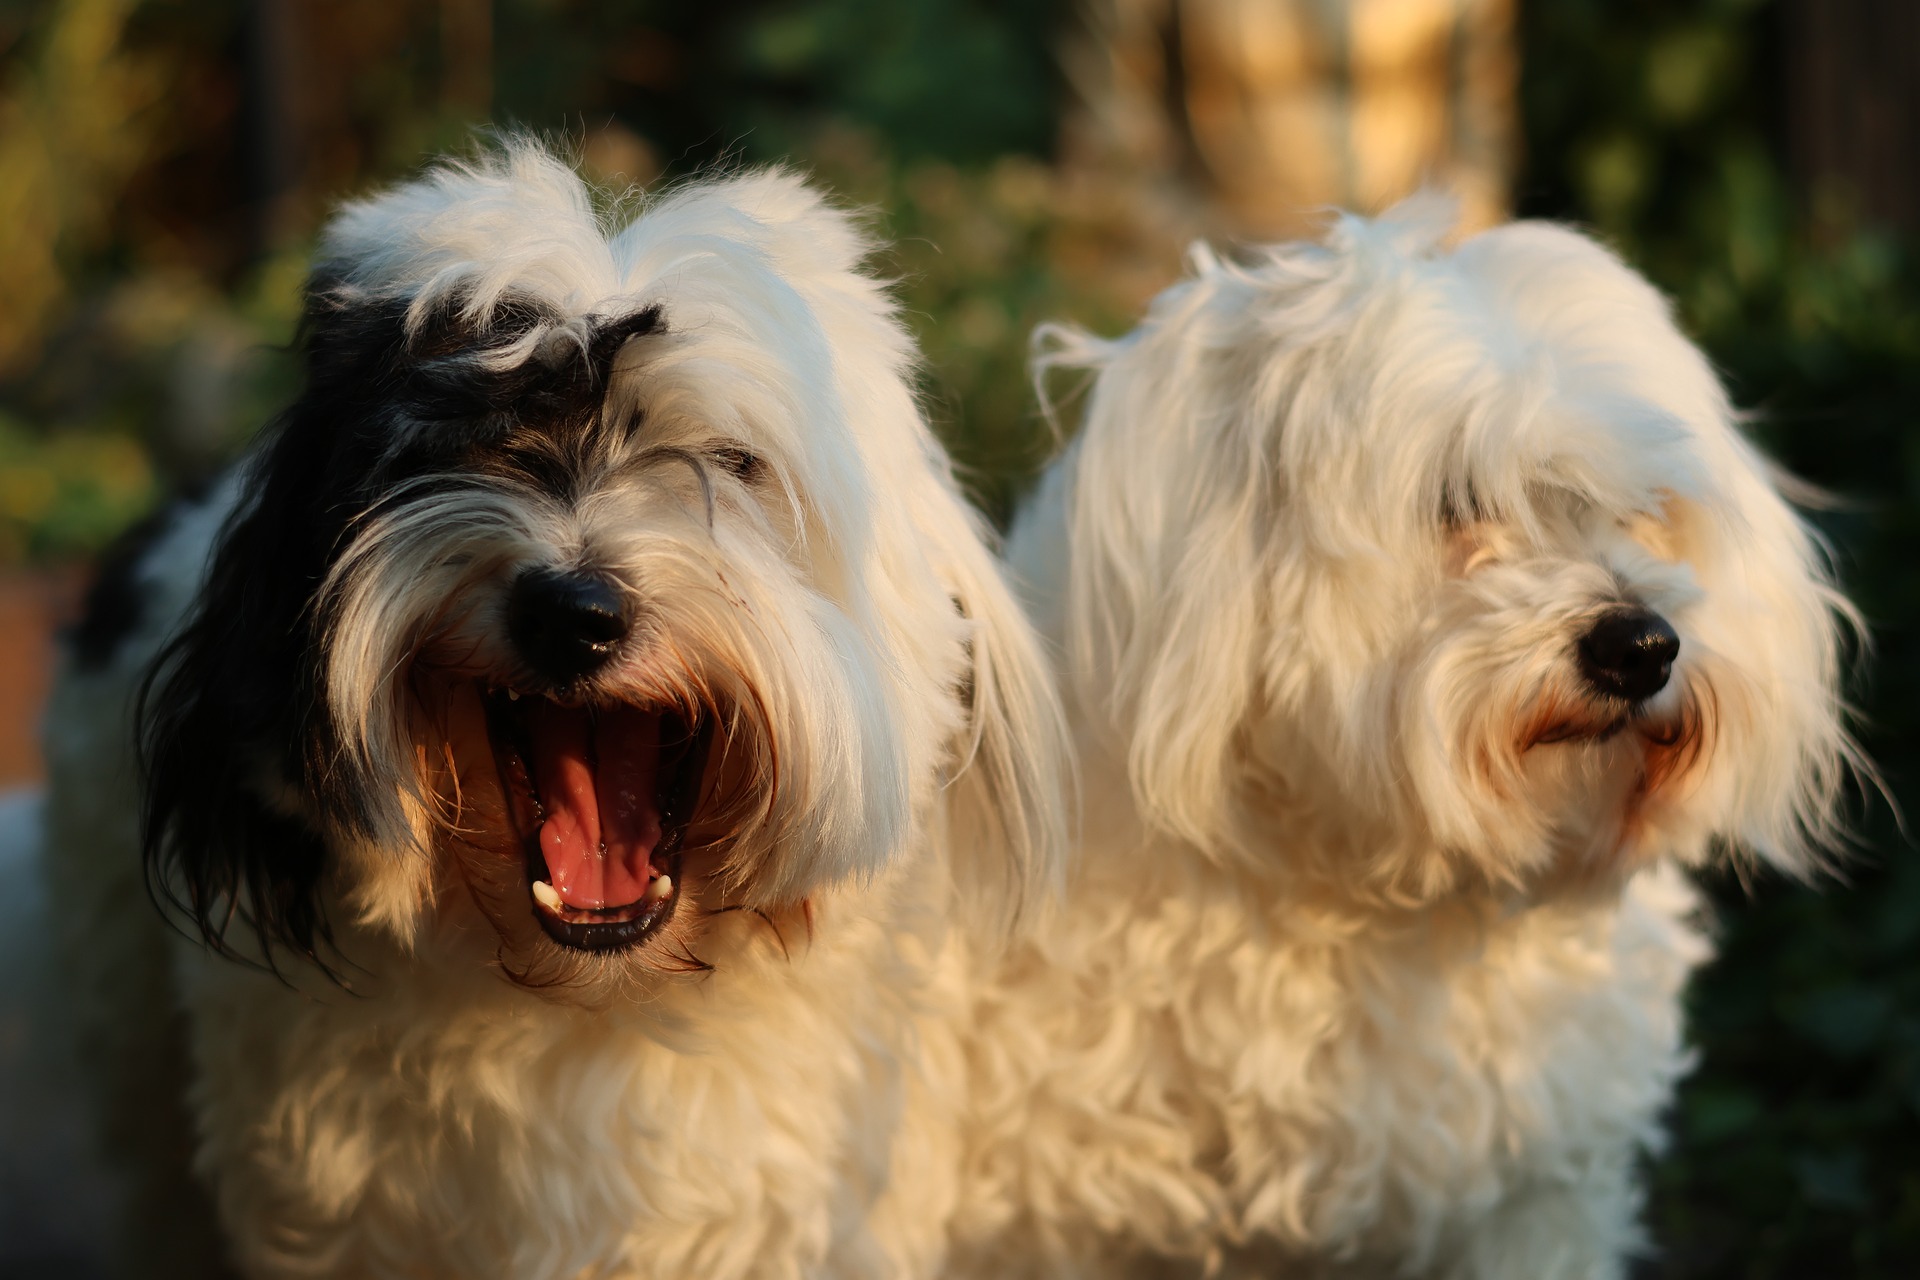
(584, 740)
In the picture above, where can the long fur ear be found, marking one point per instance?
(237, 748)
(1164, 619)
(1014, 790)
(1787, 628)
(226, 717)
(1007, 801)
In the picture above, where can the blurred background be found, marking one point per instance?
(164, 165)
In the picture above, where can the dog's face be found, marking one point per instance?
(1449, 568)
(600, 582)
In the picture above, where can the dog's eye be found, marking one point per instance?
(740, 462)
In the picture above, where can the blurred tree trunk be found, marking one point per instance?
(272, 143)
(1853, 79)
(338, 88)
(466, 58)
(1247, 117)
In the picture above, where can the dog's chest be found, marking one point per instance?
(453, 1130)
(1249, 1068)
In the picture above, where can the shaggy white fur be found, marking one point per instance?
(697, 422)
(1365, 569)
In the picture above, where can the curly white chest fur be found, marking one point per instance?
(446, 1124)
(1193, 1065)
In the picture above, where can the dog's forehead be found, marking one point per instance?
(525, 223)
(1529, 368)
(770, 332)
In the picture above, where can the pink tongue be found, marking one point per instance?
(598, 774)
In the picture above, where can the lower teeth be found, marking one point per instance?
(658, 890)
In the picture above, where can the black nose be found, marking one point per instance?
(565, 625)
(1629, 653)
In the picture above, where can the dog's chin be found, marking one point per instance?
(582, 823)
(1657, 747)
(1612, 775)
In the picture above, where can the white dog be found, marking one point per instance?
(596, 670)
(1423, 613)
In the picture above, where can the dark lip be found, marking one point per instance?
(614, 928)
(1577, 732)
(1629, 717)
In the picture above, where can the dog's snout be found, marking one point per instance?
(1629, 653)
(565, 625)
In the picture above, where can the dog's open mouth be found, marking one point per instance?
(600, 796)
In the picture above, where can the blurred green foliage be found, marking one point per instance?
(965, 81)
(936, 116)
(1660, 123)
(155, 283)
(974, 250)
(152, 287)
(68, 494)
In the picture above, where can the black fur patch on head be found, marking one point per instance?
(246, 779)
(449, 373)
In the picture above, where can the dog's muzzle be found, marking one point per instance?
(600, 791)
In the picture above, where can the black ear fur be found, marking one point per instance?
(245, 779)
(230, 714)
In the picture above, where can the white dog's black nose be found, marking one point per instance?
(1629, 653)
(565, 625)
